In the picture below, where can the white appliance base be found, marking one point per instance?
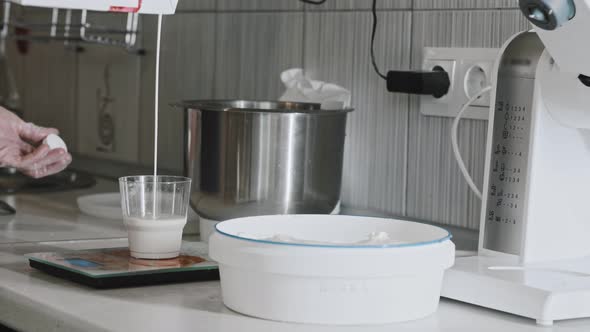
(545, 291)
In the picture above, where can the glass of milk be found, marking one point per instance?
(154, 211)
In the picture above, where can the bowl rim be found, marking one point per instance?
(158, 179)
(258, 106)
(447, 237)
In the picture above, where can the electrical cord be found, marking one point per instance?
(374, 12)
(455, 145)
(435, 83)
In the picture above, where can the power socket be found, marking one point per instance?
(470, 70)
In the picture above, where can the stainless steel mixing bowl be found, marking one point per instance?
(262, 157)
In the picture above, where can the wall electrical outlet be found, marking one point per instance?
(470, 70)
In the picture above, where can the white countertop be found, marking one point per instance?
(33, 301)
(55, 217)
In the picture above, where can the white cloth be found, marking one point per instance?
(302, 89)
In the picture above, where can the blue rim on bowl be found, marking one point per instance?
(364, 246)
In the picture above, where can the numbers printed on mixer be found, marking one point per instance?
(492, 217)
(507, 164)
(502, 203)
(504, 220)
(507, 168)
(500, 193)
(514, 117)
(511, 177)
(513, 127)
(514, 109)
(503, 150)
(514, 121)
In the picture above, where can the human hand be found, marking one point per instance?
(21, 147)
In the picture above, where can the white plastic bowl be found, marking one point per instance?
(331, 283)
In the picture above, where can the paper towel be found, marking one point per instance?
(302, 89)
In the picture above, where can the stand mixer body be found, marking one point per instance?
(534, 256)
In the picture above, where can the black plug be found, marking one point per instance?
(584, 79)
(435, 83)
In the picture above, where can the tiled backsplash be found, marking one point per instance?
(397, 161)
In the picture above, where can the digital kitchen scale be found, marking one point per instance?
(115, 268)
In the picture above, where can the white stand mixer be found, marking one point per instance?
(534, 253)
